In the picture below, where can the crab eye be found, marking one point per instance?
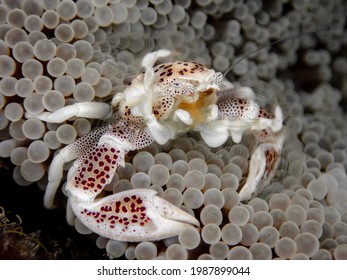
(177, 83)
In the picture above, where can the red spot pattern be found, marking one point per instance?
(271, 160)
(167, 72)
(232, 108)
(264, 114)
(163, 106)
(100, 218)
(96, 169)
(122, 212)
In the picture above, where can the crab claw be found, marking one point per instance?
(134, 215)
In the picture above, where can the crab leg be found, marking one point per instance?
(135, 215)
(238, 112)
(67, 154)
(262, 168)
(92, 110)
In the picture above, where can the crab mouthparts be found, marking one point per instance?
(198, 105)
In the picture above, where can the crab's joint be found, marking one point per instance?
(275, 124)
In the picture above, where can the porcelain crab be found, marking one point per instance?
(165, 100)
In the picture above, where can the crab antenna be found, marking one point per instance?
(226, 72)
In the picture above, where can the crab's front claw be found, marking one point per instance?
(172, 218)
(134, 215)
